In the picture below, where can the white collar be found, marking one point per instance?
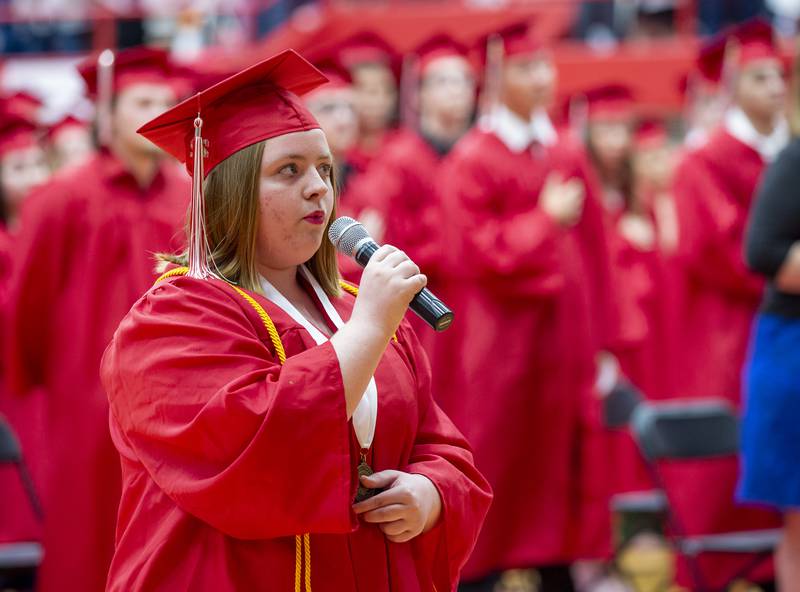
(740, 127)
(365, 417)
(516, 133)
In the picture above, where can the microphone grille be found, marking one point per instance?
(345, 233)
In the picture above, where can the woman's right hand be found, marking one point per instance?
(389, 282)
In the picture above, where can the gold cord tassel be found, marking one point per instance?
(198, 243)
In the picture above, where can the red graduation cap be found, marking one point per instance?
(258, 103)
(609, 102)
(753, 40)
(710, 59)
(437, 47)
(366, 47)
(22, 104)
(516, 40)
(129, 66)
(332, 68)
(16, 133)
(650, 133)
(65, 123)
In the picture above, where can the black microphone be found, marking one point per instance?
(352, 239)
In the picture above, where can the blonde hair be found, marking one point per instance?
(231, 193)
(794, 102)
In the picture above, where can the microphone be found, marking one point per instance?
(352, 239)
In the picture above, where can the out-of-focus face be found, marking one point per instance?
(335, 110)
(295, 198)
(653, 166)
(20, 171)
(528, 83)
(761, 89)
(135, 105)
(447, 89)
(376, 96)
(72, 146)
(611, 142)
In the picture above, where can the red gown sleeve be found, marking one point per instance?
(514, 253)
(254, 448)
(711, 234)
(443, 455)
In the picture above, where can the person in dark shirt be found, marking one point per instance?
(771, 432)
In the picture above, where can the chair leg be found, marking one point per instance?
(30, 490)
(674, 524)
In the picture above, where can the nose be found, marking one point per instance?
(316, 187)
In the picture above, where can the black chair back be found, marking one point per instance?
(686, 429)
(619, 404)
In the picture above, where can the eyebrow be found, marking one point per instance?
(323, 156)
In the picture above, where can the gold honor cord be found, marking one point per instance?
(302, 543)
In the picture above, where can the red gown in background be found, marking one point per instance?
(643, 347)
(85, 255)
(227, 455)
(401, 185)
(18, 521)
(641, 278)
(519, 383)
(714, 189)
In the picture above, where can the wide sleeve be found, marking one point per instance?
(443, 455)
(711, 233)
(774, 224)
(254, 448)
(42, 254)
(512, 253)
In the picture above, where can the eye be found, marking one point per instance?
(325, 170)
(289, 169)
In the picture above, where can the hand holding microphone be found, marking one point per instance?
(392, 278)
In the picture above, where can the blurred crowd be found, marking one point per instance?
(585, 245)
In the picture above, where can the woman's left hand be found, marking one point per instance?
(410, 505)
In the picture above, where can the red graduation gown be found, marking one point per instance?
(17, 519)
(643, 348)
(227, 455)
(714, 188)
(523, 363)
(64, 304)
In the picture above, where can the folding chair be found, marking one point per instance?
(700, 429)
(19, 560)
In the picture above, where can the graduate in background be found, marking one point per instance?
(23, 167)
(333, 105)
(374, 67)
(525, 236)
(252, 395)
(706, 96)
(64, 303)
(401, 185)
(714, 189)
(69, 142)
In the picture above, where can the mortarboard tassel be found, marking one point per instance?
(490, 97)
(105, 95)
(409, 83)
(198, 243)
